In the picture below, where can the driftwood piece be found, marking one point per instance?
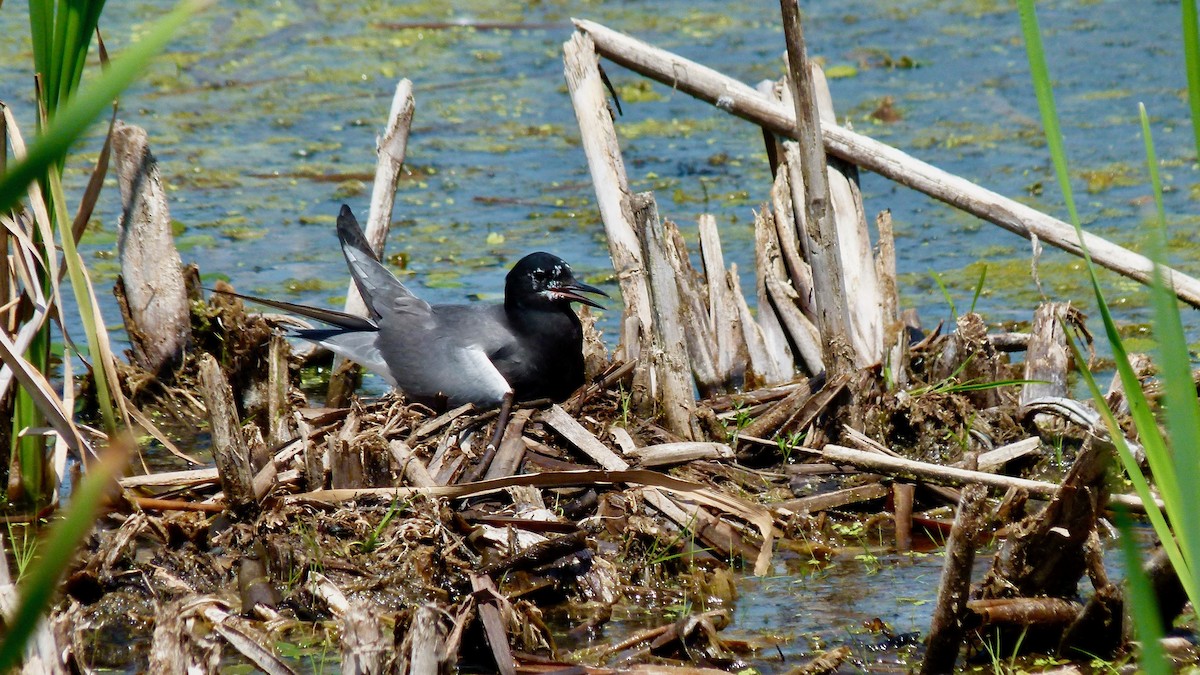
(787, 233)
(607, 168)
(994, 460)
(390, 149)
(701, 344)
(238, 633)
(820, 229)
(895, 334)
(946, 627)
(902, 511)
(411, 467)
(742, 100)
(832, 500)
(344, 455)
(156, 308)
(172, 479)
(672, 369)
(279, 403)
(1026, 612)
(512, 448)
(228, 445)
(770, 356)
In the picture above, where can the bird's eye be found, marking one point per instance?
(539, 275)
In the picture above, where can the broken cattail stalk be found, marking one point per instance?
(155, 304)
(607, 168)
(228, 445)
(390, 150)
(724, 323)
(673, 397)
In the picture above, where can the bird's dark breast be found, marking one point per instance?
(548, 361)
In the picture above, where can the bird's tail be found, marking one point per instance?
(344, 321)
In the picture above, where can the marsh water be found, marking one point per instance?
(263, 116)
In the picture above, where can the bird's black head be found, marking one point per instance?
(545, 279)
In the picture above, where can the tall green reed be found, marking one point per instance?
(1173, 457)
(61, 34)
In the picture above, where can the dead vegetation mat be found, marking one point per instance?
(395, 517)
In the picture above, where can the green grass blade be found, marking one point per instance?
(85, 107)
(1182, 407)
(937, 279)
(1191, 60)
(41, 33)
(978, 289)
(1134, 471)
(87, 311)
(1153, 443)
(55, 555)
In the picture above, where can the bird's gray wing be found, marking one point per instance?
(448, 357)
(380, 289)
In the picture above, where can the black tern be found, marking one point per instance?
(530, 347)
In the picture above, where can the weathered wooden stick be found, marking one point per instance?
(946, 626)
(678, 453)
(786, 232)
(698, 333)
(279, 408)
(366, 646)
(228, 445)
(424, 646)
(159, 316)
(895, 337)
(897, 466)
(411, 466)
(742, 100)
(172, 479)
(488, 601)
(390, 149)
(512, 448)
(902, 498)
(770, 357)
(783, 298)
(833, 500)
